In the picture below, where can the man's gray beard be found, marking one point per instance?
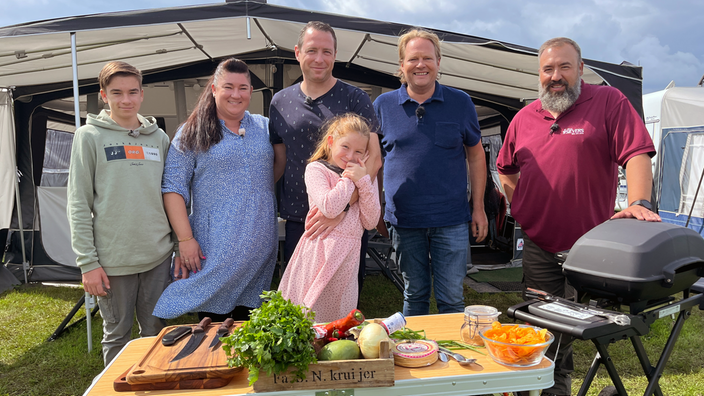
(559, 103)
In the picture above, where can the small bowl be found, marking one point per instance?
(516, 355)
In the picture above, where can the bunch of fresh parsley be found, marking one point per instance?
(276, 336)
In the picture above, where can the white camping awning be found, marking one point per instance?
(7, 159)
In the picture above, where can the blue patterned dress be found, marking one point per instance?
(233, 219)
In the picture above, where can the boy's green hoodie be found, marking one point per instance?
(115, 208)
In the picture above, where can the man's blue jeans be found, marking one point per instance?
(447, 246)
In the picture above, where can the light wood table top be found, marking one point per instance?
(439, 378)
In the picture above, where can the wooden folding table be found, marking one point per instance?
(437, 379)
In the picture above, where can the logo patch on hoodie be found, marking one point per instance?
(132, 153)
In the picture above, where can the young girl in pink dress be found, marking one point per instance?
(322, 272)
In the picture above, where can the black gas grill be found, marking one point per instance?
(623, 263)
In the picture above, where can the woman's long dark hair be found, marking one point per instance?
(202, 129)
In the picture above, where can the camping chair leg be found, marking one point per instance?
(67, 319)
(63, 326)
(382, 260)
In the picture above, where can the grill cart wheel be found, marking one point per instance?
(609, 391)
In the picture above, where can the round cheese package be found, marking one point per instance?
(415, 353)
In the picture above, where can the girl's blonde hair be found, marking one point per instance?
(338, 127)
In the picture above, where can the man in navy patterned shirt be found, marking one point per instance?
(296, 115)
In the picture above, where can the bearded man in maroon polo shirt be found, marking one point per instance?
(559, 167)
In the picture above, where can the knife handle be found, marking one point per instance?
(202, 325)
(226, 324)
(174, 335)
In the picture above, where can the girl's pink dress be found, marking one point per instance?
(322, 272)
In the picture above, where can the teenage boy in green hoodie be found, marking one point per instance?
(119, 228)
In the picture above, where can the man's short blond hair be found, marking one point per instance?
(118, 68)
(410, 35)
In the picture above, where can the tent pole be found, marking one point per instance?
(74, 62)
(18, 200)
(25, 264)
(77, 111)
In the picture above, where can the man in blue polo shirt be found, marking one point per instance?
(430, 133)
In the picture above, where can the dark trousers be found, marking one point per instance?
(541, 271)
(294, 232)
(240, 313)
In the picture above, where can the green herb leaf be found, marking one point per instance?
(277, 335)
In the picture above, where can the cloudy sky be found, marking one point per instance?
(665, 37)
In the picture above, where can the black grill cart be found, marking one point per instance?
(636, 269)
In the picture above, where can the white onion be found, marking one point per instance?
(369, 339)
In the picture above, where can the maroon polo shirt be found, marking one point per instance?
(568, 177)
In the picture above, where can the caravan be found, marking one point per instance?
(675, 119)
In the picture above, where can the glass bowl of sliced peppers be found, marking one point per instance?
(516, 345)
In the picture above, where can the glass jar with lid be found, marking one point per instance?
(477, 317)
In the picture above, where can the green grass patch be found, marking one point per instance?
(500, 275)
(31, 366)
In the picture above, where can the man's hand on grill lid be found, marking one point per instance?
(639, 178)
(638, 212)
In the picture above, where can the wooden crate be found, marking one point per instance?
(336, 374)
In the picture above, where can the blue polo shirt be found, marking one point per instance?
(425, 167)
(296, 123)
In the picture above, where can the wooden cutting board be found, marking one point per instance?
(203, 363)
(121, 385)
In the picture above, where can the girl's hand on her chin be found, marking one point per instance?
(355, 170)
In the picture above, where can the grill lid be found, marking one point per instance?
(633, 260)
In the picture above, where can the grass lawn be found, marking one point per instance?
(30, 366)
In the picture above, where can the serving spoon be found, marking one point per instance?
(463, 361)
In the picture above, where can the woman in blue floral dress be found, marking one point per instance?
(221, 163)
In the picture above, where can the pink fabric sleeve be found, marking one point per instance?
(369, 206)
(330, 200)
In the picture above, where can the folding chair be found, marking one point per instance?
(380, 249)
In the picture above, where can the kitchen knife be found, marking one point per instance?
(174, 335)
(195, 340)
(222, 331)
